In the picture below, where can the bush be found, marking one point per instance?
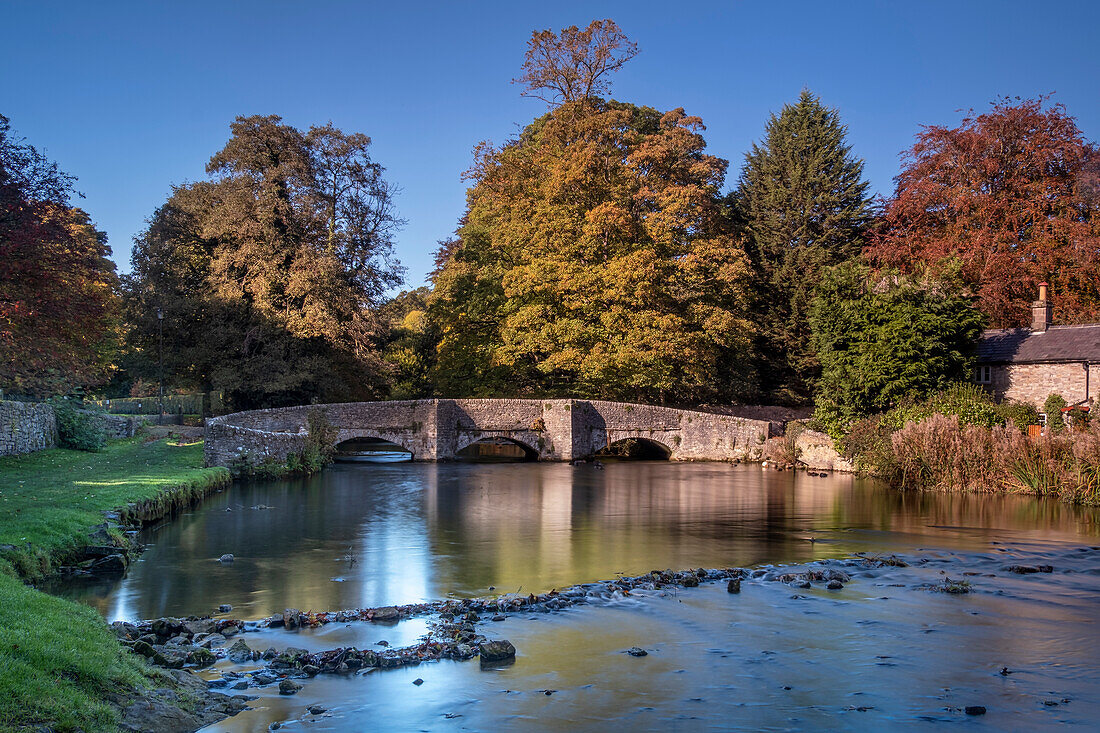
(1020, 414)
(1053, 409)
(784, 450)
(78, 429)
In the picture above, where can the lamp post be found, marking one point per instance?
(160, 366)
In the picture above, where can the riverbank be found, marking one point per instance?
(60, 665)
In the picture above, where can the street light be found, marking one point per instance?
(160, 365)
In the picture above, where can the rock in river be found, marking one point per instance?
(492, 651)
(288, 687)
(240, 652)
(734, 586)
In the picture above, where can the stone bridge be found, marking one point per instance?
(436, 430)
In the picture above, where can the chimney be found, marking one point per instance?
(1040, 311)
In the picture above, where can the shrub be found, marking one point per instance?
(1053, 409)
(784, 450)
(1020, 414)
(78, 429)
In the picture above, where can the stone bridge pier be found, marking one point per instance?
(436, 430)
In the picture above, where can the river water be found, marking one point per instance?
(884, 652)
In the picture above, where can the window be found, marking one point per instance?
(983, 375)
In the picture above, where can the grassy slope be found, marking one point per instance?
(59, 662)
(50, 500)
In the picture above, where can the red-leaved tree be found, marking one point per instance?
(1009, 198)
(57, 285)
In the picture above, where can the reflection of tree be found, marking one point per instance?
(415, 531)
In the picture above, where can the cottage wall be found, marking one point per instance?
(1033, 383)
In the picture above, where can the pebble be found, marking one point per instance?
(227, 557)
(975, 710)
(418, 682)
(316, 709)
(636, 651)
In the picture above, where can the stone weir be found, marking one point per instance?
(436, 430)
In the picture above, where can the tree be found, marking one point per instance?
(57, 285)
(574, 65)
(883, 338)
(592, 262)
(270, 273)
(1010, 195)
(804, 205)
(410, 345)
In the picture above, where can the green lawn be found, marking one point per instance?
(59, 662)
(50, 500)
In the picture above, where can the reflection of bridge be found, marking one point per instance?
(436, 430)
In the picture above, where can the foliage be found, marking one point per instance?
(592, 261)
(1011, 196)
(269, 274)
(941, 453)
(804, 205)
(57, 285)
(573, 65)
(1052, 407)
(410, 346)
(784, 449)
(887, 338)
(320, 443)
(78, 429)
(867, 441)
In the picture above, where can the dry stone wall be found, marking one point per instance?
(26, 427)
(556, 430)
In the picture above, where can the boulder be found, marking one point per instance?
(292, 618)
(386, 613)
(289, 687)
(734, 586)
(492, 651)
(240, 652)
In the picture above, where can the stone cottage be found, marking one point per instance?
(1028, 364)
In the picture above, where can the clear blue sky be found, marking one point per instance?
(134, 97)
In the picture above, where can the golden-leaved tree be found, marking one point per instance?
(594, 259)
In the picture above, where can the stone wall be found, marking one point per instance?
(816, 450)
(1033, 383)
(555, 430)
(26, 427)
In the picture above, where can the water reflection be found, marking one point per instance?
(368, 535)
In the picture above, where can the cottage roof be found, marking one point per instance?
(1056, 344)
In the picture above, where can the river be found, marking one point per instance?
(883, 652)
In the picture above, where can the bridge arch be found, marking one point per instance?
(348, 436)
(637, 448)
(465, 442)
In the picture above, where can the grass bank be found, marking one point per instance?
(60, 665)
(51, 500)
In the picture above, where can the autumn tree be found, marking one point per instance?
(574, 65)
(269, 274)
(1010, 196)
(803, 202)
(593, 261)
(57, 285)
